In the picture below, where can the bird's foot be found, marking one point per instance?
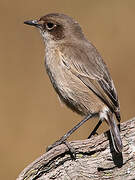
(61, 141)
(92, 134)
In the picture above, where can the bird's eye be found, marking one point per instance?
(50, 26)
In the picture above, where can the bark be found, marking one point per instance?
(95, 159)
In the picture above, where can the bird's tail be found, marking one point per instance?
(114, 130)
(115, 133)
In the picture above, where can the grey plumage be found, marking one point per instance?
(78, 72)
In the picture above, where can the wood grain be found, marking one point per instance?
(95, 159)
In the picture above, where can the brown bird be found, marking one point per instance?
(78, 74)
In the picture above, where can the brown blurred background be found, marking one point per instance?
(31, 116)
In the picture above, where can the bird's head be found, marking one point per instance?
(57, 27)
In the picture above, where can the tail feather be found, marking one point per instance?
(115, 135)
(117, 114)
(114, 130)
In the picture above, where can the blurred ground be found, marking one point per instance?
(31, 116)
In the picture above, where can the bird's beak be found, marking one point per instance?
(32, 23)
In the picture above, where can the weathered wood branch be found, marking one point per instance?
(95, 159)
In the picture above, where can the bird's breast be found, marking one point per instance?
(70, 89)
(58, 73)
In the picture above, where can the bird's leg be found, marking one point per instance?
(95, 129)
(64, 138)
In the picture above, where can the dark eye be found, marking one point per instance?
(50, 25)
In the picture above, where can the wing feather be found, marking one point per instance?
(87, 64)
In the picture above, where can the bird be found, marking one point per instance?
(78, 74)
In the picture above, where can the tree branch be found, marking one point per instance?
(95, 159)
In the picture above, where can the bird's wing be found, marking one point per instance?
(88, 66)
